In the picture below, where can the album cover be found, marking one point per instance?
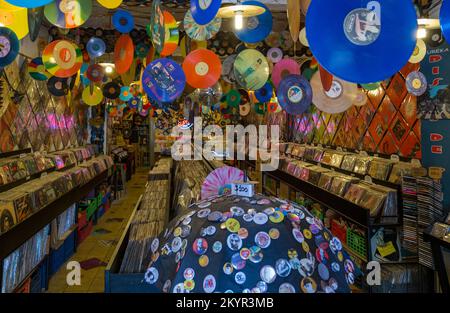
(398, 170)
(362, 165)
(5, 174)
(336, 159)
(326, 159)
(355, 193)
(339, 185)
(17, 200)
(380, 168)
(7, 218)
(17, 169)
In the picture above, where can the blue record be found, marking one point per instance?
(163, 80)
(10, 46)
(294, 94)
(265, 93)
(256, 28)
(96, 47)
(28, 3)
(362, 41)
(204, 11)
(444, 18)
(123, 21)
(134, 102)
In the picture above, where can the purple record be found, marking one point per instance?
(163, 80)
(416, 83)
(275, 55)
(294, 94)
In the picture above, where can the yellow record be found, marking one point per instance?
(419, 52)
(14, 18)
(92, 98)
(110, 4)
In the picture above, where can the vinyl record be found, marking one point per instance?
(201, 32)
(172, 36)
(156, 28)
(29, 3)
(204, 11)
(95, 73)
(62, 58)
(338, 99)
(142, 50)
(434, 38)
(416, 83)
(202, 68)
(123, 21)
(326, 78)
(362, 41)
(96, 47)
(302, 37)
(294, 94)
(219, 181)
(15, 18)
(37, 71)
(9, 46)
(123, 53)
(283, 68)
(444, 19)
(110, 4)
(68, 14)
(35, 18)
(187, 45)
(163, 80)
(251, 69)
(125, 93)
(265, 93)
(275, 55)
(244, 109)
(255, 28)
(233, 98)
(93, 97)
(57, 86)
(111, 90)
(360, 98)
(134, 102)
(419, 52)
(293, 14)
(228, 69)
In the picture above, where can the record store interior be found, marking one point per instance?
(165, 146)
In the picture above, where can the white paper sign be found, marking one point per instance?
(243, 189)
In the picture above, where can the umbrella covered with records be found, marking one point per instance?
(257, 244)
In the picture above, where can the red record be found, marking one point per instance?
(284, 68)
(202, 68)
(123, 53)
(326, 78)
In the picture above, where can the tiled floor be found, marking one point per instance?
(99, 245)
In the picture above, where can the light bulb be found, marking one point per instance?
(238, 21)
(421, 33)
(108, 69)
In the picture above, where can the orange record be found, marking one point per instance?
(202, 68)
(123, 53)
(326, 78)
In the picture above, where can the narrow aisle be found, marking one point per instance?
(96, 250)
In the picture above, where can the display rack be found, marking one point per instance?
(437, 245)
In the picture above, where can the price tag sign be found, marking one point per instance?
(243, 189)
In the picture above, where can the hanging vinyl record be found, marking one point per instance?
(37, 70)
(302, 37)
(219, 181)
(110, 4)
(357, 34)
(251, 69)
(123, 21)
(416, 83)
(134, 102)
(201, 32)
(163, 80)
(233, 98)
(111, 90)
(15, 18)
(360, 98)
(338, 99)
(156, 28)
(68, 14)
(228, 69)
(202, 68)
(283, 68)
(444, 18)
(9, 46)
(95, 73)
(294, 94)
(204, 11)
(96, 47)
(93, 97)
(62, 58)
(35, 18)
(265, 93)
(123, 53)
(172, 36)
(57, 86)
(255, 28)
(275, 55)
(419, 52)
(244, 109)
(125, 93)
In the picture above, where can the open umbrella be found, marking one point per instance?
(239, 244)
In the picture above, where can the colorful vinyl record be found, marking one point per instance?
(37, 70)
(134, 102)
(219, 181)
(123, 53)
(416, 83)
(444, 18)
(419, 52)
(35, 18)
(111, 90)
(96, 47)
(255, 28)
(338, 99)
(142, 50)
(163, 80)
(172, 35)
(275, 55)
(95, 73)
(201, 32)
(244, 109)
(57, 86)
(265, 93)
(294, 94)
(326, 78)
(93, 97)
(156, 28)
(204, 11)
(68, 14)
(15, 18)
(62, 58)
(28, 3)
(293, 14)
(123, 21)
(283, 68)
(251, 69)
(233, 98)
(360, 98)
(110, 4)
(357, 33)
(125, 93)
(228, 69)
(202, 68)
(9, 46)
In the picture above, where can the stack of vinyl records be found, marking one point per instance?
(409, 232)
(62, 225)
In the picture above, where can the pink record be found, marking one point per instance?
(218, 182)
(283, 68)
